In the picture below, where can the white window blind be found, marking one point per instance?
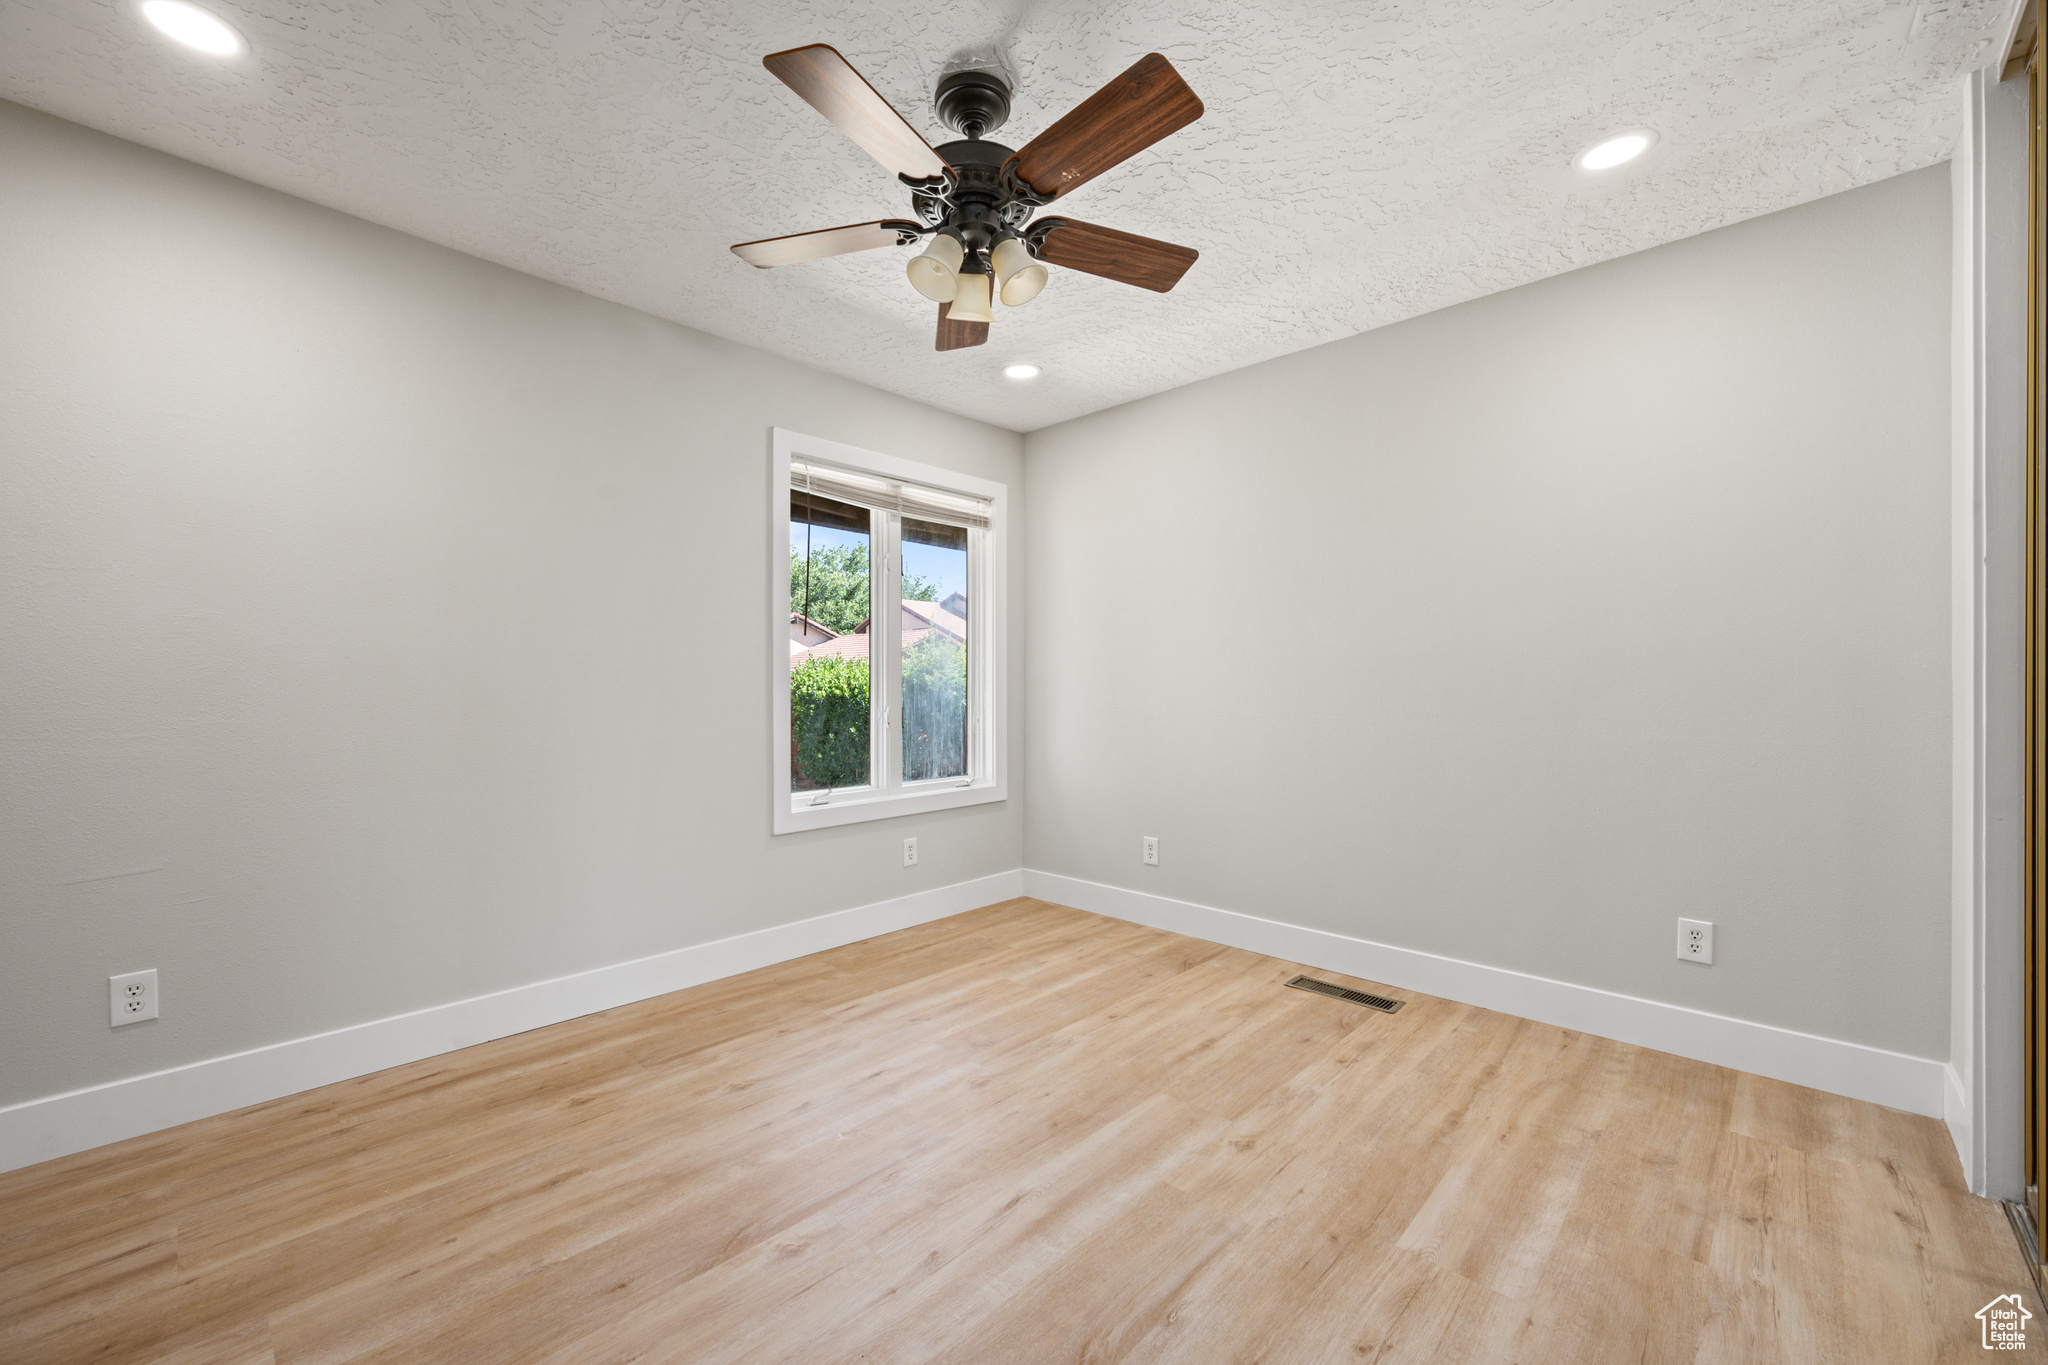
(888, 495)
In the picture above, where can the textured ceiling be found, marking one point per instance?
(1360, 162)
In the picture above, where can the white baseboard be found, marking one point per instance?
(1916, 1084)
(1955, 1112)
(57, 1125)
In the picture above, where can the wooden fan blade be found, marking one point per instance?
(812, 246)
(1108, 128)
(1121, 256)
(954, 335)
(829, 84)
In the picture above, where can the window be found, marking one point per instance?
(888, 656)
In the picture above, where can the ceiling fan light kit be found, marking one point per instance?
(1019, 276)
(975, 198)
(935, 272)
(970, 302)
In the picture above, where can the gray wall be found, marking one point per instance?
(378, 627)
(1515, 631)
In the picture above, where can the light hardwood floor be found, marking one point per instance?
(1024, 1134)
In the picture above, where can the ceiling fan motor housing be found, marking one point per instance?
(972, 103)
(979, 207)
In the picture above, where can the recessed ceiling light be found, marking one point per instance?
(192, 26)
(1021, 371)
(1613, 151)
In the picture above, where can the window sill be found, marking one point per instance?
(853, 807)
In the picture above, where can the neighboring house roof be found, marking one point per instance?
(848, 647)
(804, 632)
(937, 617)
(923, 615)
(839, 647)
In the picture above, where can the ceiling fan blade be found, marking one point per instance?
(812, 246)
(1121, 256)
(830, 85)
(1112, 125)
(954, 335)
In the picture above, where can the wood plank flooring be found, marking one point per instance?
(1024, 1134)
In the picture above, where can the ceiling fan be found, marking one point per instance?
(974, 198)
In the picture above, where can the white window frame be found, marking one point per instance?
(987, 664)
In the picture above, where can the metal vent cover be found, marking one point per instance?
(1371, 1002)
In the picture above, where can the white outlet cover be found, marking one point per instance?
(1696, 941)
(910, 853)
(1151, 850)
(131, 997)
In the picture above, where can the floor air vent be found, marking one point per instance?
(1371, 1002)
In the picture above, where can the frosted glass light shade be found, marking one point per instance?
(934, 272)
(970, 304)
(1018, 277)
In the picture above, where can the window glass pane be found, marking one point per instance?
(829, 594)
(934, 650)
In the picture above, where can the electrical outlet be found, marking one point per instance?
(131, 998)
(1696, 941)
(1151, 851)
(910, 853)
